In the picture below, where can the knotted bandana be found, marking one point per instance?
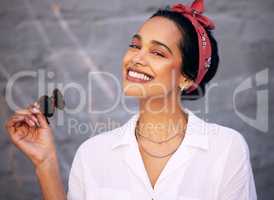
(200, 23)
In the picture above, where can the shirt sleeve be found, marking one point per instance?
(238, 181)
(76, 179)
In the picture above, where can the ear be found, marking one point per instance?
(185, 82)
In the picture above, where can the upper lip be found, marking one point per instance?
(139, 71)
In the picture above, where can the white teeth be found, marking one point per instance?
(138, 75)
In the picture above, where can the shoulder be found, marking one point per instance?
(101, 142)
(94, 154)
(226, 139)
(219, 138)
(102, 145)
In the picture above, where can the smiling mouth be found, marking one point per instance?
(138, 76)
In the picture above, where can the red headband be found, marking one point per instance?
(200, 22)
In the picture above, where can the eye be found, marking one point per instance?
(134, 46)
(158, 53)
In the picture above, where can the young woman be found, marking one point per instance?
(164, 152)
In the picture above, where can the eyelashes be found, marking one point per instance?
(153, 52)
(158, 54)
(134, 46)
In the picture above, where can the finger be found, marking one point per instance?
(29, 121)
(36, 104)
(14, 119)
(41, 118)
(32, 109)
(23, 112)
(13, 123)
(33, 118)
(17, 124)
(35, 109)
(22, 118)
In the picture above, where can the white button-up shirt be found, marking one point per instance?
(211, 163)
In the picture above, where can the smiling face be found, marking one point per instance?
(153, 51)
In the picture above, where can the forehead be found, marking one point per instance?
(160, 29)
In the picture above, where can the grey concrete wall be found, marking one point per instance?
(69, 39)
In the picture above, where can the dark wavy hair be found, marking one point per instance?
(190, 52)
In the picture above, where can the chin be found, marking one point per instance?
(134, 92)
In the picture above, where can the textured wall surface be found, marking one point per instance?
(63, 41)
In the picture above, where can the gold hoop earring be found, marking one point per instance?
(182, 87)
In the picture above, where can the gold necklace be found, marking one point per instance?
(158, 142)
(153, 155)
(157, 156)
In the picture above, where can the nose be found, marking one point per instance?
(139, 58)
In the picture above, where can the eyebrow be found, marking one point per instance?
(153, 42)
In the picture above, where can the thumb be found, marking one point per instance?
(42, 120)
(40, 116)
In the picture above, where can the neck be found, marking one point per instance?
(161, 118)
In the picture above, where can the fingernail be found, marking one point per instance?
(37, 125)
(35, 110)
(31, 122)
(34, 119)
(36, 105)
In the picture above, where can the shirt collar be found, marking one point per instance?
(196, 132)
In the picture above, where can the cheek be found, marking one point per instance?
(167, 74)
(165, 69)
(127, 57)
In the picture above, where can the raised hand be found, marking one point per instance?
(30, 132)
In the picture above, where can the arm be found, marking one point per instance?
(50, 180)
(29, 131)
